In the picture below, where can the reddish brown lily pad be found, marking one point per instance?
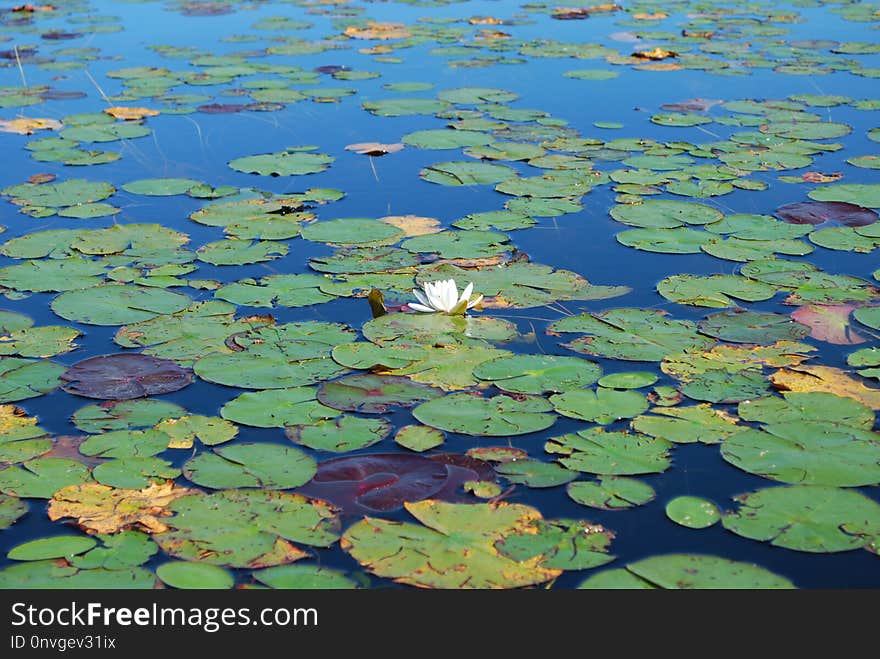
(124, 376)
(819, 212)
(374, 394)
(380, 482)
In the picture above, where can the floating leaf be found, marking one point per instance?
(746, 326)
(11, 509)
(538, 374)
(246, 528)
(596, 451)
(498, 416)
(685, 425)
(829, 323)
(692, 512)
(268, 466)
(344, 433)
(186, 575)
(419, 438)
(123, 376)
(828, 379)
(631, 334)
(303, 577)
(160, 187)
(374, 394)
(601, 406)
(713, 291)
(462, 172)
(611, 493)
(377, 482)
(59, 546)
(819, 212)
(860, 194)
(102, 509)
(456, 547)
(27, 378)
(42, 477)
(283, 163)
(688, 572)
(810, 518)
(117, 304)
(277, 408)
(535, 473)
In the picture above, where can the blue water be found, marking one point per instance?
(199, 146)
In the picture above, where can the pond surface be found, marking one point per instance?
(667, 208)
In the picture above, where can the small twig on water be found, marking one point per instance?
(20, 67)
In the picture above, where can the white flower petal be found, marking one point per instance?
(475, 302)
(466, 293)
(418, 307)
(421, 297)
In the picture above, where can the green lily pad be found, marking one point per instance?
(463, 172)
(58, 575)
(741, 326)
(344, 433)
(277, 408)
(186, 575)
(240, 252)
(352, 231)
(562, 543)
(692, 512)
(72, 192)
(42, 477)
(246, 528)
(498, 416)
(635, 380)
(680, 240)
(374, 394)
(538, 374)
(602, 406)
(686, 425)
(303, 577)
(861, 194)
(275, 290)
(283, 163)
(665, 214)
(400, 107)
(713, 291)
(59, 546)
(54, 275)
(611, 493)
(27, 378)
(120, 550)
(134, 472)
(125, 415)
(631, 334)
(419, 438)
(46, 341)
(117, 304)
(11, 510)
(456, 547)
(809, 518)
(597, 451)
(446, 138)
(535, 473)
(160, 187)
(267, 466)
(688, 572)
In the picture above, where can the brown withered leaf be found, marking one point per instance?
(102, 509)
(655, 54)
(130, 114)
(413, 225)
(828, 379)
(27, 126)
(377, 30)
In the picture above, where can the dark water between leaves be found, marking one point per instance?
(188, 143)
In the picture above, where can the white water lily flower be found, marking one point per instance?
(443, 296)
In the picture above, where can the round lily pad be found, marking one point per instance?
(688, 572)
(665, 214)
(538, 374)
(187, 575)
(374, 394)
(819, 212)
(746, 326)
(692, 512)
(344, 433)
(303, 577)
(284, 163)
(809, 518)
(263, 465)
(463, 172)
(117, 304)
(124, 376)
(611, 493)
(601, 406)
(535, 473)
(634, 380)
(597, 451)
(63, 546)
(352, 231)
(498, 416)
(160, 187)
